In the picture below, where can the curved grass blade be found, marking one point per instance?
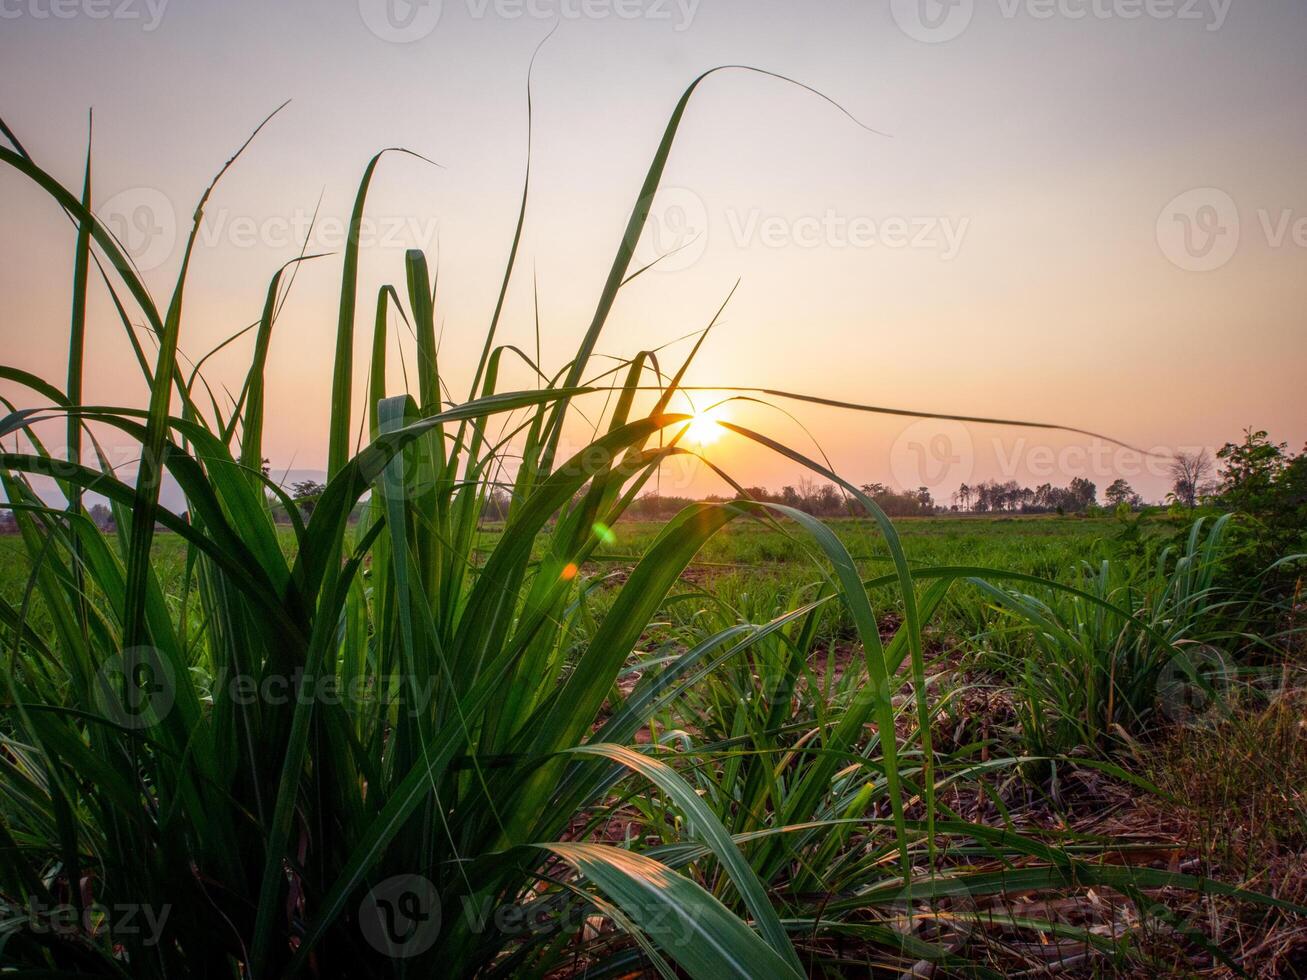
(686, 922)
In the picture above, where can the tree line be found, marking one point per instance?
(1254, 476)
(828, 500)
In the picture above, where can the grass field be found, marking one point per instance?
(768, 565)
(389, 740)
(1042, 545)
(1006, 708)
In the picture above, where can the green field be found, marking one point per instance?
(391, 740)
(1023, 682)
(767, 564)
(1041, 545)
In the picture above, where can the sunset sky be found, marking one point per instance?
(1090, 212)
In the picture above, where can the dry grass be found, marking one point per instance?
(1242, 789)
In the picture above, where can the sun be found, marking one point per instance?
(704, 428)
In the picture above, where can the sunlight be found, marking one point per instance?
(704, 428)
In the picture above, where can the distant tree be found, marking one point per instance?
(909, 503)
(1004, 496)
(496, 505)
(1084, 493)
(1120, 492)
(964, 496)
(828, 501)
(1191, 474)
(653, 506)
(306, 494)
(1262, 480)
(102, 516)
(807, 494)
(1250, 470)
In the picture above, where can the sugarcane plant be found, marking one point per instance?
(346, 749)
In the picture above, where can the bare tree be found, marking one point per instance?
(1192, 474)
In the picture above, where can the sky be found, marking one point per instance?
(1086, 212)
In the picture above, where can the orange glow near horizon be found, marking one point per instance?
(922, 272)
